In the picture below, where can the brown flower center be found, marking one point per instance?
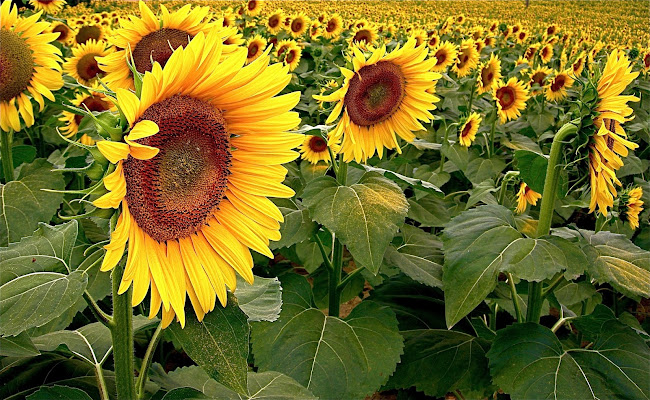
(251, 5)
(88, 32)
(296, 25)
(506, 96)
(646, 60)
(252, 50)
(331, 25)
(16, 65)
(158, 46)
(94, 103)
(375, 93)
(538, 78)
(87, 67)
(363, 35)
(441, 56)
(172, 195)
(466, 129)
(558, 83)
(274, 21)
(487, 75)
(63, 31)
(317, 144)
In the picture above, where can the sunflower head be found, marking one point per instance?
(274, 22)
(87, 32)
(538, 79)
(631, 205)
(546, 53)
(489, 75)
(93, 101)
(315, 148)
(558, 85)
(445, 55)
(526, 196)
(467, 132)
(48, 6)
(298, 25)
(467, 58)
(364, 36)
(511, 99)
(333, 26)
(255, 48)
(83, 65)
(254, 7)
(64, 31)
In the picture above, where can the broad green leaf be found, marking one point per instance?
(457, 154)
(297, 225)
(532, 168)
(539, 259)
(311, 171)
(540, 122)
(24, 204)
(333, 358)
(20, 154)
(459, 358)
(527, 360)
(520, 142)
(260, 301)
(35, 299)
(415, 183)
(428, 211)
(18, 346)
(419, 256)
(364, 216)
(310, 255)
(482, 193)
(49, 249)
(573, 294)
(219, 344)
(184, 393)
(57, 392)
(481, 169)
(427, 173)
(474, 242)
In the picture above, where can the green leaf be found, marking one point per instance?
(184, 393)
(311, 171)
(539, 259)
(35, 299)
(532, 168)
(418, 184)
(18, 346)
(297, 225)
(24, 204)
(474, 242)
(219, 344)
(310, 255)
(481, 169)
(260, 301)
(528, 360)
(419, 256)
(364, 216)
(331, 357)
(520, 142)
(540, 122)
(457, 154)
(482, 192)
(49, 249)
(428, 211)
(459, 359)
(20, 154)
(57, 392)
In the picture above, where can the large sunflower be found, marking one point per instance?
(538, 81)
(48, 6)
(385, 94)
(299, 24)
(255, 48)
(83, 65)
(254, 7)
(152, 38)
(29, 65)
(445, 55)
(208, 137)
(511, 99)
(610, 143)
(86, 32)
(489, 75)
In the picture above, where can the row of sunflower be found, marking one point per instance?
(324, 200)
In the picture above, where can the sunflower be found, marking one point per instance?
(334, 27)
(546, 53)
(385, 94)
(467, 59)
(84, 33)
(47, 6)
(578, 65)
(467, 132)
(445, 55)
(433, 41)
(315, 31)
(63, 30)
(420, 36)
(631, 206)
(315, 149)
(646, 60)
(364, 36)
(152, 39)
(299, 24)
(93, 101)
(255, 47)
(207, 140)
(530, 52)
(83, 65)
(254, 7)
(526, 196)
(522, 36)
(557, 89)
(29, 64)
(511, 99)
(274, 21)
(610, 143)
(489, 75)
(538, 80)
(292, 56)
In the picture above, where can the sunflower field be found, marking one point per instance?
(382, 200)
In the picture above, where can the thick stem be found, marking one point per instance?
(494, 123)
(515, 298)
(101, 383)
(6, 153)
(337, 256)
(535, 299)
(323, 253)
(471, 95)
(445, 141)
(146, 362)
(122, 335)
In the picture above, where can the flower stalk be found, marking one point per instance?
(122, 335)
(146, 362)
(334, 280)
(7, 156)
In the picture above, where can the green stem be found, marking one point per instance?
(323, 253)
(504, 185)
(535, 298)
(445, 141)
(515, 298)
(349, 277)
(101, 383)
(551, 287)
(6, 153)
(471, 95)
(146, 362)
(101, 316)
(122, 335)
(337, 256)
(493, 318)
(494, 123)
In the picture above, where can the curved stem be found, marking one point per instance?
(535, 298)
(7, 155)
(122, 335)
(515, 298)
(101, 316)
(146, 362)
(101, 383)
(349, 277)
(323, 253)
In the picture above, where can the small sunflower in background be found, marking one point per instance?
(254, 7)
(558, 85)
(93, 101)
(29, 66)
(255, 48)
(646, 60)
(445, 55)
(526, 196)
(467, 132)
(578, 65)
(609, 143)
(364, 36)
(386, 95)
(85, 32)
(546, 53)
(521, 36)
(48, 6)
(433, 41)
(274, 22)
(511, 99)
(314, 149)
(489, 75)
(83, 65)
(333, 27)
(467, 58)
(299, 24)
(631, 206)
(66, 35)
(538, 81)
(207, 140)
